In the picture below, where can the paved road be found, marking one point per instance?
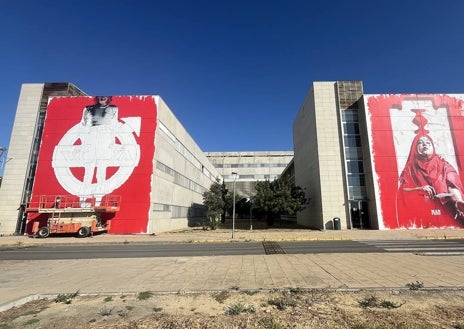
(144, 250)
(421, 247)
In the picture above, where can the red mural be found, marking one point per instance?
(95, 148)
(417, 145)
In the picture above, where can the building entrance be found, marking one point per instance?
(359, 215)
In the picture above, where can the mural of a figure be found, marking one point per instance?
(430, 189)
(98, 139)
(96, 148)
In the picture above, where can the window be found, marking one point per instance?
(353, 153)
(354, 167)
(161, 207)
(357, 192)
(351, 128)
(352, 141)
(356, 180)
(180, 179)
(350, 116)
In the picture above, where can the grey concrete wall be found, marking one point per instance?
(307, 164)
(318, 161)
(18, 152)
(164, 189)
(330, 154)
(250, 166)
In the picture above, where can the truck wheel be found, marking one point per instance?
(83, 232)
(43, 232)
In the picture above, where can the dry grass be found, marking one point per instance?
(294, 308)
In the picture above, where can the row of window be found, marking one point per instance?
(180, 211)
(250, 165)
(351, 128)
(185, 152)
(252, 177)
(350, 116)
(353, 155)
(180, 179)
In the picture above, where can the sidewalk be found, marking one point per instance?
(23, 280)
(224, 235)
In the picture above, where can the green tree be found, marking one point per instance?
(213, 199)
(278, 197)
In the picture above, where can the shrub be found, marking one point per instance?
(238, 308)
(105, 311)
(221, 296)
(373, 301)
(270, 323)
(415, 285)
(144, 295)
(66, 298)
(282, 303)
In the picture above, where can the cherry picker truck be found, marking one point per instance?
(72, 215)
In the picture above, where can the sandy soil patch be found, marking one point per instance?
(294, 308)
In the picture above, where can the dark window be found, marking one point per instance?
(355, 167)
(356, 180)
(349, 116)
(351, 128)
(358, 192)
(352, 141)
(353, 153)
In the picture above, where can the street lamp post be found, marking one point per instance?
(251, 215)
(235, 175)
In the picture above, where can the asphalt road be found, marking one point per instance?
(140, 250)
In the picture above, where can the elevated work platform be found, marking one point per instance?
(48, 204)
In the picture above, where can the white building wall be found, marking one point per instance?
(250, 166)
(18, 152)
(330, 154)
(164, 189)
(318, 162)
(306, 163)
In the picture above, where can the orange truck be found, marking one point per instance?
(72, 215)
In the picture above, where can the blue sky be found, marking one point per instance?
(235, 73)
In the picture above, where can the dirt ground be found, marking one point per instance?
(234, 308)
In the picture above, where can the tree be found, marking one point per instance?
(213, 199)
(278, 197)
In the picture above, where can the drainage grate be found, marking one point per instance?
(272, 247)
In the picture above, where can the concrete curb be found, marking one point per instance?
(26, 299)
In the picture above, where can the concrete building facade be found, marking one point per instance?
(250, 167)
(366, 161)
(156, 167)
(23, 151)
(382, 161)
(319, 162)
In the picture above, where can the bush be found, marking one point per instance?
(210, 224)
(66, 298)
(373, 301)
(415, 285)
(238, 308)
(144, 295)
(282, 303)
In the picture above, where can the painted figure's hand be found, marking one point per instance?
(429, 190)
(459, 210)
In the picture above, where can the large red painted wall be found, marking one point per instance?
(413, 191)
(89, 150)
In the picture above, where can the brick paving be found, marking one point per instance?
(23, 280)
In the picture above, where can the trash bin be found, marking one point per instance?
(336, 224)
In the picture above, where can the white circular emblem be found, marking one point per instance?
(96, 149)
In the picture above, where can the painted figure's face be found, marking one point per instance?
(425, 147)
(103, 100)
